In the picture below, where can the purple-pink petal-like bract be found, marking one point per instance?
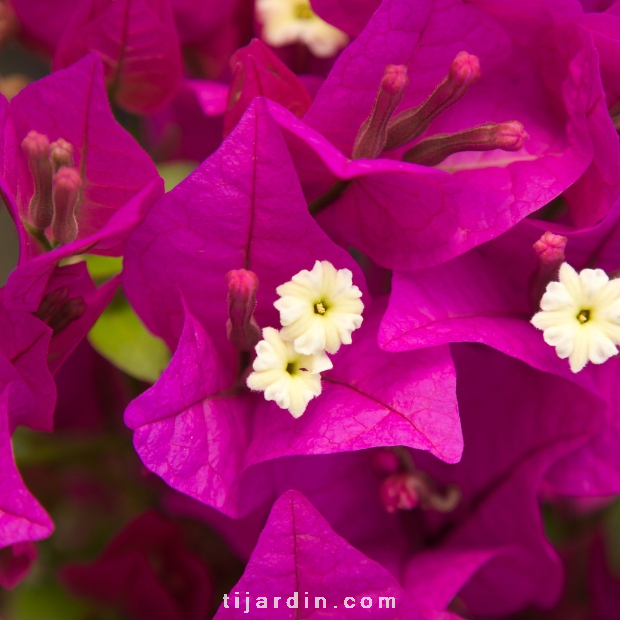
(138, 44)
(408, 216)
(198, 429)
(21, 517)
(298, 552)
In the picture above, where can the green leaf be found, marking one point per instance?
(121, 337)
(44, 601)
(174, 172)
(612, 527)
(102, 268)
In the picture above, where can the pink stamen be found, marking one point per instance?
(431, 151)
(242, 329)
(412, 123)
(371, 138)
(65, 193)
(40, 209)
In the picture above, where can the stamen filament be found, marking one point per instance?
(431, 151)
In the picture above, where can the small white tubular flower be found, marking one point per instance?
(580, 316)
(293, 21)
(288, 377)
(320, 308)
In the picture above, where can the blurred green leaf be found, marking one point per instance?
(174, 172)
(612, 530)
(102, 268)
(121, 337)
(44, 601)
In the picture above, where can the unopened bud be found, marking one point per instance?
(242, 329)
(371, 137)
(65, 193)
(37, 148)
(384, 462)
(61, 154)
(431, 151)
(399, 492)
(412, 123)
(550, 252)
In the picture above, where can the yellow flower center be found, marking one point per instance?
(303, 11)
(583, 316)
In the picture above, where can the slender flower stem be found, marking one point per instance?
(324, 200)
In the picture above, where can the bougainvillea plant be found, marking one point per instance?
(309, 309)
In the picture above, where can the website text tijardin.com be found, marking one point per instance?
(247, 602)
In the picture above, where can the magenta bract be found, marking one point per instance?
(198, 427)
(410, 216)
(138, 44)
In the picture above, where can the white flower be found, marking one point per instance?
(292, 21)
(320, 308)
(288, 377)
(581, 316)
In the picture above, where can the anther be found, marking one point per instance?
(65, 194)
(37, 148)
(431, 151)
(61, 154)
(242, 329)
(319, 308)
(372, 135)
(412, 123)
(583, 316)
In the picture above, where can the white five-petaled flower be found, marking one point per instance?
(293, 21)
(580, 316)
(288, 377)
(320, 308)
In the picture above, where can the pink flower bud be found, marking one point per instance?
(550, 252)
(65, 194)
(384, 462)
(550, 249)
(464, 70)
(241, 327)
(37, 148)
(411, 124)
(61, 154)
(399, 492)
(508, 136)
(371, 138)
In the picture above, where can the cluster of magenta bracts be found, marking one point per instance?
(422, 463)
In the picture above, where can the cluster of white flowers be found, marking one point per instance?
(580, 316)
(293, 21)
(319, 310)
